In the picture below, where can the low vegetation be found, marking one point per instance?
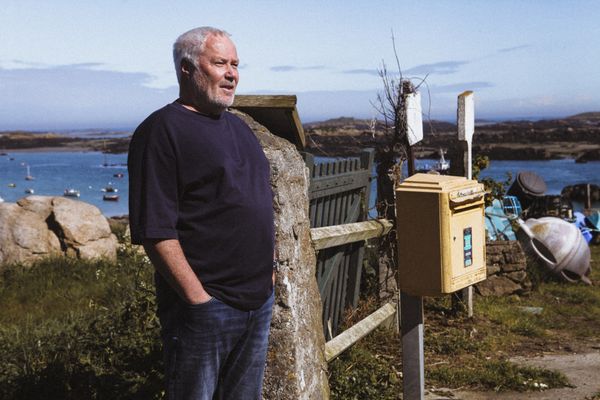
(87, 330)
(79, 330)
(475, 352)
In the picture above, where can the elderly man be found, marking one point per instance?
(200, 202)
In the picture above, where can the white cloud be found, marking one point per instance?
(76, 96)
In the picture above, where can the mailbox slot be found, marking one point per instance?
(458, 208)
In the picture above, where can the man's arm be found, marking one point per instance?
(169, 260)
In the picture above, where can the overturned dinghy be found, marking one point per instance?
(559, 245)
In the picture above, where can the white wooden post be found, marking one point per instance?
(466, 129)
(414, 118)
(411, 307)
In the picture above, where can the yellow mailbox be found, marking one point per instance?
(441, 234)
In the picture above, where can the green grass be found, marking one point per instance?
(79, 330)
(87, 330)
(474, 353)
(496, 375)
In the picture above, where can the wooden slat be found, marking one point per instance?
(277, 113)
(341, 295)
(338, 344)
(354, 276)
(277, 101)
(330, 267)
(330, 236)
(327, 185)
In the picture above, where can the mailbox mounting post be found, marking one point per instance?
(411, 307)
(465, 121)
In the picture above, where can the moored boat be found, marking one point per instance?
(71, 193)
(110, 189)
(29, 177)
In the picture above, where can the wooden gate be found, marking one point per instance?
(339, 194)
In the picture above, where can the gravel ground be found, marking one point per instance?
(582, 370)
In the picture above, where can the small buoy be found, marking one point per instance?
(561, 247)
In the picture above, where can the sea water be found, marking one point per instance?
(556, 173)
(90, 172)
(54, 172)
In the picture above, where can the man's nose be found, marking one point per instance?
(231, 73)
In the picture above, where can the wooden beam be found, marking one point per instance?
(331, 236)
(276, 101)
(341, 342)
(277, 113)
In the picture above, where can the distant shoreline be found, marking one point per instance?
(575, 138)
(36, 142)
(59, 149)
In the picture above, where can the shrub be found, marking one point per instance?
(96, 338)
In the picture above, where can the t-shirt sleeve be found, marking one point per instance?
(153, 193)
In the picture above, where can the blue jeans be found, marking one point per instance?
(214, 351)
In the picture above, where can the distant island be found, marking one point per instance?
(576, 137)
(52, 141)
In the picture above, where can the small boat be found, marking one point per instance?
(442, 166)
(110, 189)
(29, 191)
(110, 197)
(29, 177)
(71, 193)
(118, 175)
(12, 185)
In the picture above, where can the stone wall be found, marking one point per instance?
(296, 367)
(506, 270)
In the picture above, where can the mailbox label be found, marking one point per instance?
(468, 246)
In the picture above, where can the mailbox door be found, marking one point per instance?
(467, 241)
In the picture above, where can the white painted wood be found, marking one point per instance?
(336, 235)
(414, 118)
(466, 130)
(466, 116)
(466, 126)
(341, 342)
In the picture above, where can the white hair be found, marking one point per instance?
(190, 45)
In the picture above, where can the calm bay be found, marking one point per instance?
(90, 172)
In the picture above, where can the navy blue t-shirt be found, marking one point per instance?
(205, 181)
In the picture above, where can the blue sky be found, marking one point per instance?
(107, 64)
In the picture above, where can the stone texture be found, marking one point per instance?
(493, 269)
(506, 270)
(497, 285)
(24, 235)
(296, 366)
(40, 226)
(80, 222)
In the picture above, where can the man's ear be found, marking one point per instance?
(187, 67)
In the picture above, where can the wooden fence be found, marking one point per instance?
(339, 194)
(358, 232)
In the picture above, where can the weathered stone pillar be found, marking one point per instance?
(296, 366)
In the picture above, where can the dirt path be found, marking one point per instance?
(582, 370)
